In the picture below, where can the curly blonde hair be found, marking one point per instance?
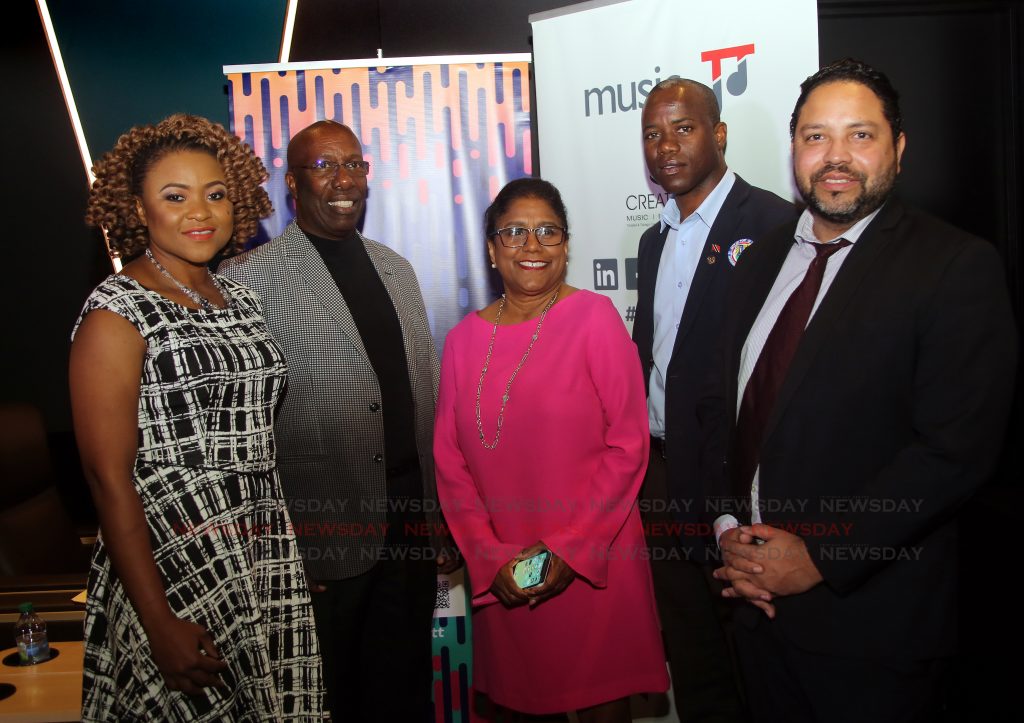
(121, 172)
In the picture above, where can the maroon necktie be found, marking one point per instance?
(771, 367)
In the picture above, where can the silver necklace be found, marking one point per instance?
(203, 303)
(508, 386)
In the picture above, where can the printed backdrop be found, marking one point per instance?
(442, 137)
(594, 68)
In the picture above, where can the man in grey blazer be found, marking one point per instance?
(354, 431)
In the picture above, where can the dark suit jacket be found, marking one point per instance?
(747, 213)
(892, 414)
(329, 430)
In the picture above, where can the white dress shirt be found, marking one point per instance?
(793, 270)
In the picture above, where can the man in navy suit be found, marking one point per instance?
(869, 356)
(685, 263)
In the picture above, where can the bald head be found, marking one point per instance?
(684, 141)
(329, 198)
(698, 95)
(311, 136)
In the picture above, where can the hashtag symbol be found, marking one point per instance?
(630, 313)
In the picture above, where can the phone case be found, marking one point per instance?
(532, 571)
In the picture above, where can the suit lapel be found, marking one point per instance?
(649, 263)
(722, 232)
(845, 286)
(762, 263)
(305, 262)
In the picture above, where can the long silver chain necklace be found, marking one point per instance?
(204, 303)
(508, 386)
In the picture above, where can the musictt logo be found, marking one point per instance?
(617, 102)
(623, 98)
(736, 83)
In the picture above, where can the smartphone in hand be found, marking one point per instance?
(532, 571)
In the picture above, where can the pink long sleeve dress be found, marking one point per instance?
(567, 470)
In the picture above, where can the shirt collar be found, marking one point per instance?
(805, 229)
(707, 211)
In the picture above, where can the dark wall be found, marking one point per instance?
(52, 262)
(405, 28)
(958, 68)
(130, 63)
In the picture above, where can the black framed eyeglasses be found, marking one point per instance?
(513, 237)
(329, 168)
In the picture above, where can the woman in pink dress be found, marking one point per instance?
(541, 444)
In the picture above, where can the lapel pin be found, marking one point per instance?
(737, 248)
(716, 248)
(711, 259)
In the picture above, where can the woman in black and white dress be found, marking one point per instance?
(197, 609)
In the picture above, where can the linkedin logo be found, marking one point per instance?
(606, 274)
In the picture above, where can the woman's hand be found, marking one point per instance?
(559, 576)
(185, 655)
(505, 588)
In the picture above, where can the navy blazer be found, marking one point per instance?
(747, 213)
(891, 415)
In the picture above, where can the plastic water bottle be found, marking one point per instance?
(30, 635)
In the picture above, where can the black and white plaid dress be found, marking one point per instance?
(219, 528)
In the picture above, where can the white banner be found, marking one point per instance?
(594, 65)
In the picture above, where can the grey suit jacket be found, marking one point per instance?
(329, 428)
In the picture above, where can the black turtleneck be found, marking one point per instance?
(375, 317)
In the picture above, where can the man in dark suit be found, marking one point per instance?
(354, 432)
(851, 440)
(685, 263)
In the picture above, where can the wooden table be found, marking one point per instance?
(49, 692)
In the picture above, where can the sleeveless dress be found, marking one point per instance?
(221, 536)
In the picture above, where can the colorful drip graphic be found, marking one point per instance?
(441, 141)
(453, 695)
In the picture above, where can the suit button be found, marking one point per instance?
(378, 458)
(374, 407)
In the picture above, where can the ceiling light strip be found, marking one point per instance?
(69, 101)
(289, 27)
(65, 86)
